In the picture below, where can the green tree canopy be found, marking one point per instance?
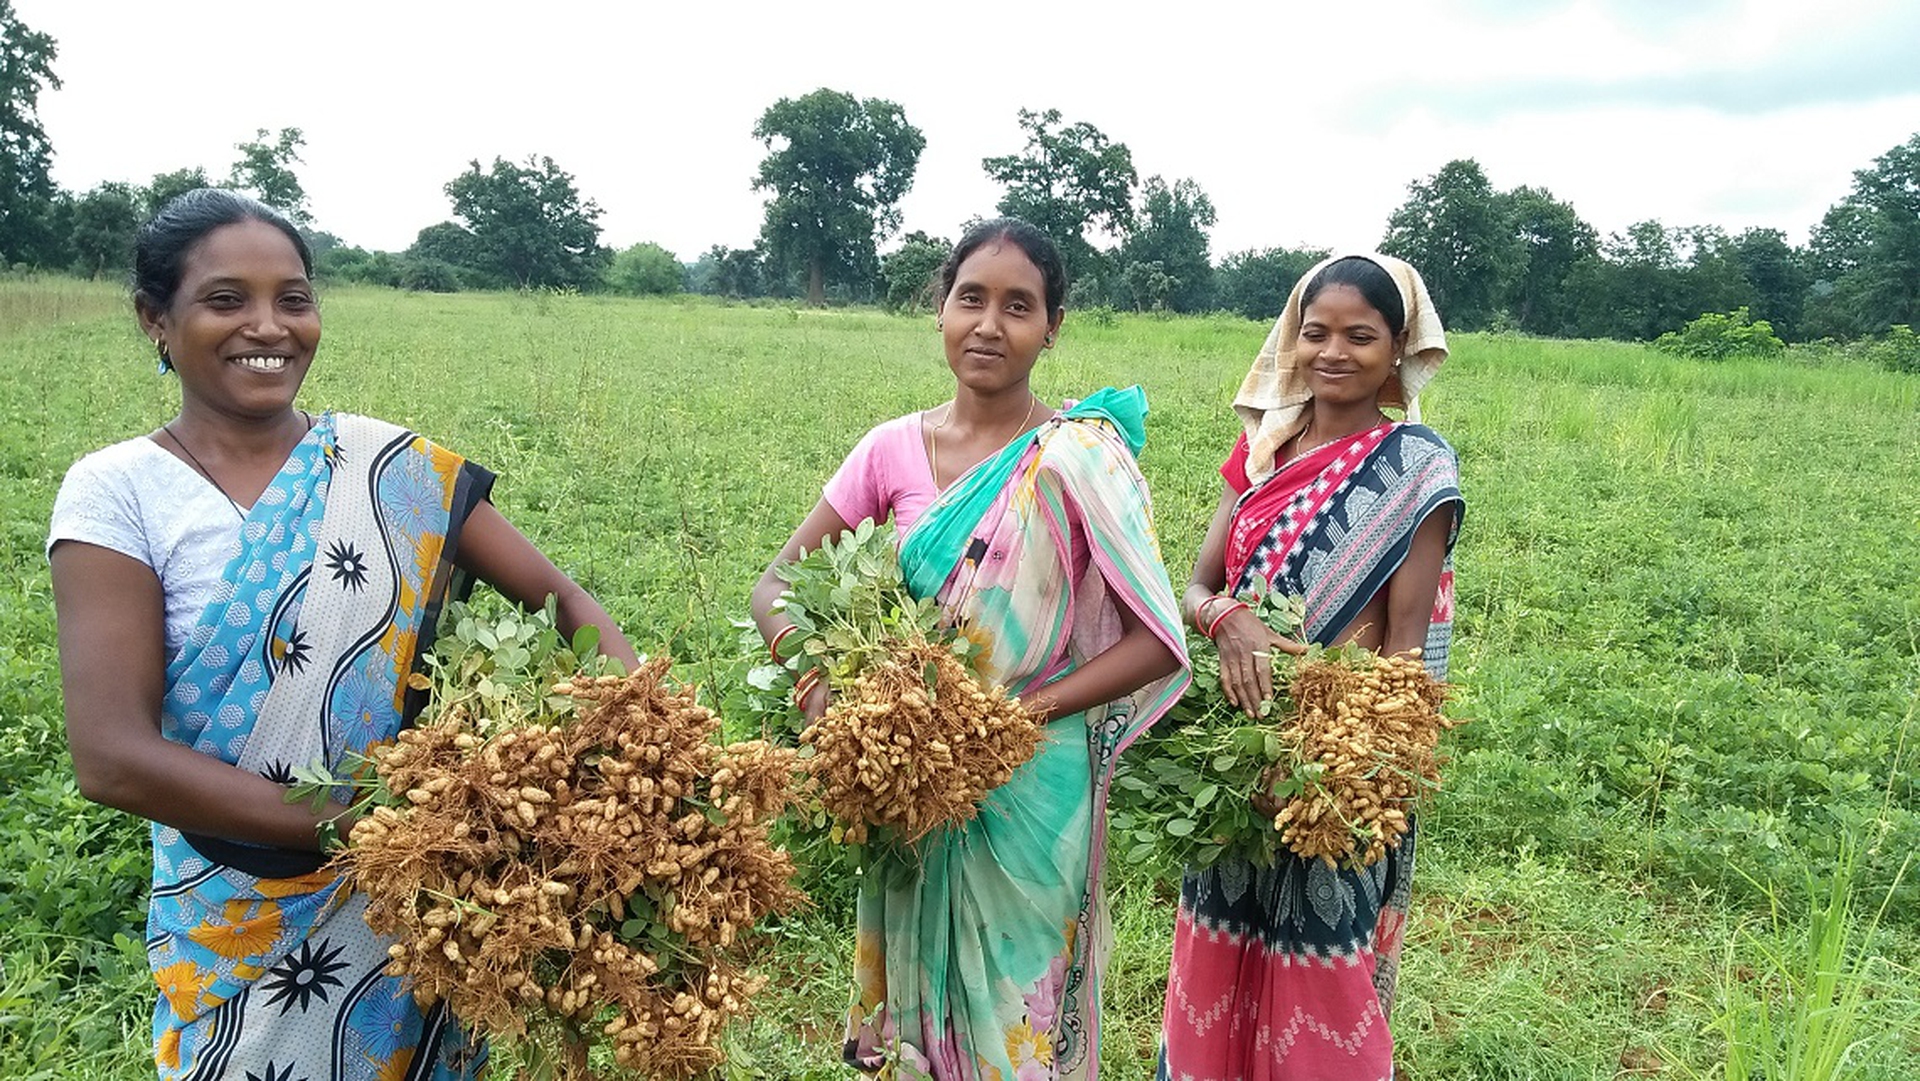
(265, 169)
(1256, 283)
(1455, 228)
(1067, 180)
(1866, 250)
(530, 226)
(166, 187)
(449, 242)
(1171, 230)
(1551, 240)
(646, 269)
(837, 167)
(104, 222)
(27, 234)
(910, 272)
(1777, 273)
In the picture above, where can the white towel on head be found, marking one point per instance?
(1273, 399)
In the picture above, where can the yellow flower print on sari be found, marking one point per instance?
(181, 984)
(1030, 1052)
(241, 934)
(166, 1053)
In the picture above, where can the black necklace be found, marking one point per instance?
(195, 459)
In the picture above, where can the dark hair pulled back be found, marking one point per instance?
(1038, 246)
(1372, 281)
(160, 250)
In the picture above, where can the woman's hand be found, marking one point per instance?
(1246, 648)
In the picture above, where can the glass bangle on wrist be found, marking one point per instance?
(1230, 609)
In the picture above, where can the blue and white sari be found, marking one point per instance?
(265, 968)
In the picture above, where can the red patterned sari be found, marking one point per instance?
(1287, 973)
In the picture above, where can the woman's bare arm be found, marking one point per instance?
(492, 550)
(113, 676)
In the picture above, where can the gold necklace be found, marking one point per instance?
(933, 437)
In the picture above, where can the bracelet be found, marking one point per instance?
(773, 647)
(1200, 610)
(804, 686)
(1236, 606)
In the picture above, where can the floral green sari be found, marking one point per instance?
(980, 949)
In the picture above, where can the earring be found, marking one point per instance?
(1049, 339)
(939, 324)
(166, 361)
(1396, 362)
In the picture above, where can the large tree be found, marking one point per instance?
(1171, 230)
(1454, 227)
(1068, 179)
(1866, 251)
(1777, 273)
(1551, 240)
(104, 222)
(165, 187)
(1256, 283)
(530, 226)
(265, 168)
(837, 167)
(26, 156)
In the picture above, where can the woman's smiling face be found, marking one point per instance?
(994, 321)
(1345, 349)
(243, 325)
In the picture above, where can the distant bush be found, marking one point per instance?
(429, 275)
(646, 269)
(1714, 336)
(910, 273)
(1898, 351)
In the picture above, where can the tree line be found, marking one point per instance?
(837, 166)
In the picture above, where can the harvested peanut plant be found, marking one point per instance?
(1331, 768)
(569, 859)
(915, 735)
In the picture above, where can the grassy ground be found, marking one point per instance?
(1687, 627)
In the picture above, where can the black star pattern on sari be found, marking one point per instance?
(298, 651)
(302, 977)
(272, 1074)
(347, 565)
(278, 773)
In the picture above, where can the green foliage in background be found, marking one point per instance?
(1715, 336)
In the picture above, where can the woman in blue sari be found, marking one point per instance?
(242, 593)
(978, 953)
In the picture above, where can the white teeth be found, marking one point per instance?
(264, 364)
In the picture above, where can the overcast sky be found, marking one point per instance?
(1303, 122)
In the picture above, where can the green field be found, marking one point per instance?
(1689, 636)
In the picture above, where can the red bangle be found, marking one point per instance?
(1200, 610)
(804, 686)
(1217, 620)
(773, 647)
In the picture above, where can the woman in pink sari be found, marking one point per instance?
(1286, 973)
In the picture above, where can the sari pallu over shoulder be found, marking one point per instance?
(982, 958)
(301, 658)
(1334, 527)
